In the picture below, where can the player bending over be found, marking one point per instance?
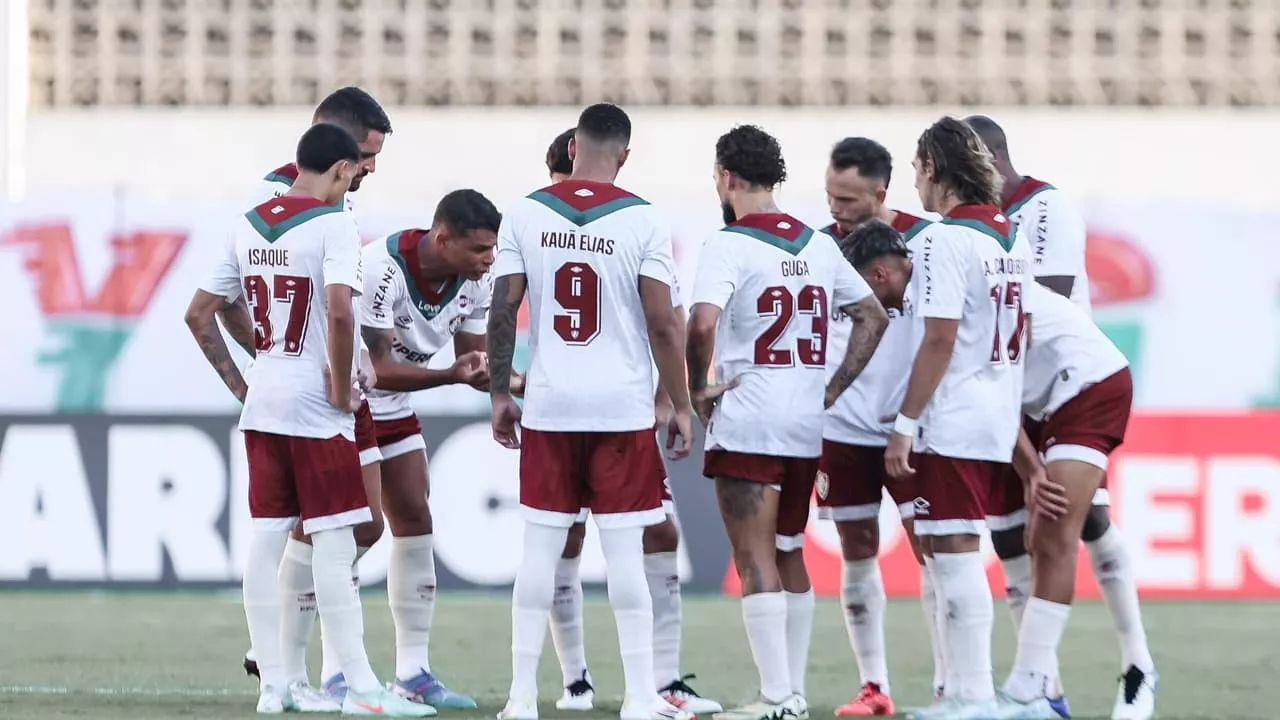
(598, 266)
(852, 479)
(298, 425)
(1057, 234)
(423, 290)
(356, 111)
(1077, 398)
(958, 422)
(765, 287)
(661, 562)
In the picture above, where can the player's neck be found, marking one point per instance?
(309, 185)
(948, 203)
(1012, 181)
(600, 171)
(430, 267)
(885, 215)
(754, 203)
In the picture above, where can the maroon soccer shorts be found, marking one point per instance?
(612, 474)
(954, 493)
(852, 480)
(399, 436)
(793, 477)
(315, 479)
(366, 437)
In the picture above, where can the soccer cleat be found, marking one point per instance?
(949, 708)
(427, 689)
(250, 665)
(384, 703)
(310, 700)
(1009, 708)
(763, 709)
(526, 709)
(799, 706)
(336, 688)
(679, 693)
(1136, 699)
(1060, 706)
(870, 702)
(653, 709)
(274, 702)
(578, 695)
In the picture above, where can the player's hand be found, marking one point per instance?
(472, 369)
(706, 399)
(346, 400)
(1045, 497)
(365, 375)
(662, 414)
(517, 384)
(897, 456)
(679, 435)
(506, 418)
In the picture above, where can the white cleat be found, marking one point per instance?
(679, 693)
(274, 702)
(798, 705)
(950, 708)
(526, 709)
(764, 709)
(653, 709)
(578, 695)
(310, 700)
(1136, 699)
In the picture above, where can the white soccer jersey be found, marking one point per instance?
(777, 282)
(583, 247)
(424, 318)
(282, 254)
(1056, 231)
(1067, 354)
(974, 266)
(278, 182)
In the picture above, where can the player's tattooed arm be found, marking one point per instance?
(201, 321)
(396, 376)
(235, 318)
(869, 323)
(508, 292)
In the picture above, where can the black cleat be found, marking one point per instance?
(251, 668)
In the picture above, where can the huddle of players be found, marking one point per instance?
(605, 258)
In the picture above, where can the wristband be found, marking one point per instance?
(904, 425)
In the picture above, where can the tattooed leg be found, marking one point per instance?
(750, 514)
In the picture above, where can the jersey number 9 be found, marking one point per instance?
(778, 303)
(577, 289)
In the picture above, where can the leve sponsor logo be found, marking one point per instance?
(1197, 498)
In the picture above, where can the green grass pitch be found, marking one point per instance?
(101, 655)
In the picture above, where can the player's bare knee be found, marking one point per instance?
(369, 533)
(953, 544)
(573, 541)
(661, 538)
(1096, 523)
(757, 572)
(1009, 543)
(792, 572)
(859, 539)
(409, 519)
(1052, 540)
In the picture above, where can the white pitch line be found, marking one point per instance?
(122, 691)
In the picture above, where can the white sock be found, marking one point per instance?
(262, 609)
(862, 594)
(298, 597)
(765, 615)
(566, 621)
(1114, 571)
(329, 665)
(1017, 586)
(1036, 665)
(933, 621)
(662, 570)
(962, 582)
(411, 592)
(333, 554)
(799, 636)
(531, 600)
(632, 609)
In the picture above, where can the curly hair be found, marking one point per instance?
(872, 241)
(753, 155)
(961, 162)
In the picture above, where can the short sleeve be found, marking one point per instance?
(941, 269)
(382, 288)
(717, 273)
(658, 261)
(677, 301)
(477, 322)
(508, 260)
(224, 277)
(342, 261)
(849, 286)
(1057, 234)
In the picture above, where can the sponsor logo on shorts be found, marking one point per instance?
(823, 484)
(921, 506)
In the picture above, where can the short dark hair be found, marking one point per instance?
(871, 241)
(465, 211)
(604, 122)
(961, 161)
(990, 131)
(355, 110)
(753, 155)
(324, 144)
(558, 160)
(872, 159)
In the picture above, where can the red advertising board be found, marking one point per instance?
(1197, 497)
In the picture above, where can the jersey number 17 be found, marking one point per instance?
(1008, 297)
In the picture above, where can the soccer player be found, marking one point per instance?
(852, 480)
(661, 563)
(1078, 392)
(765, 288)
(598, 266)
(423, 289)
(857, 182)
(962, 404)
(356, 111)
(298, 421)
(1057, 234)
